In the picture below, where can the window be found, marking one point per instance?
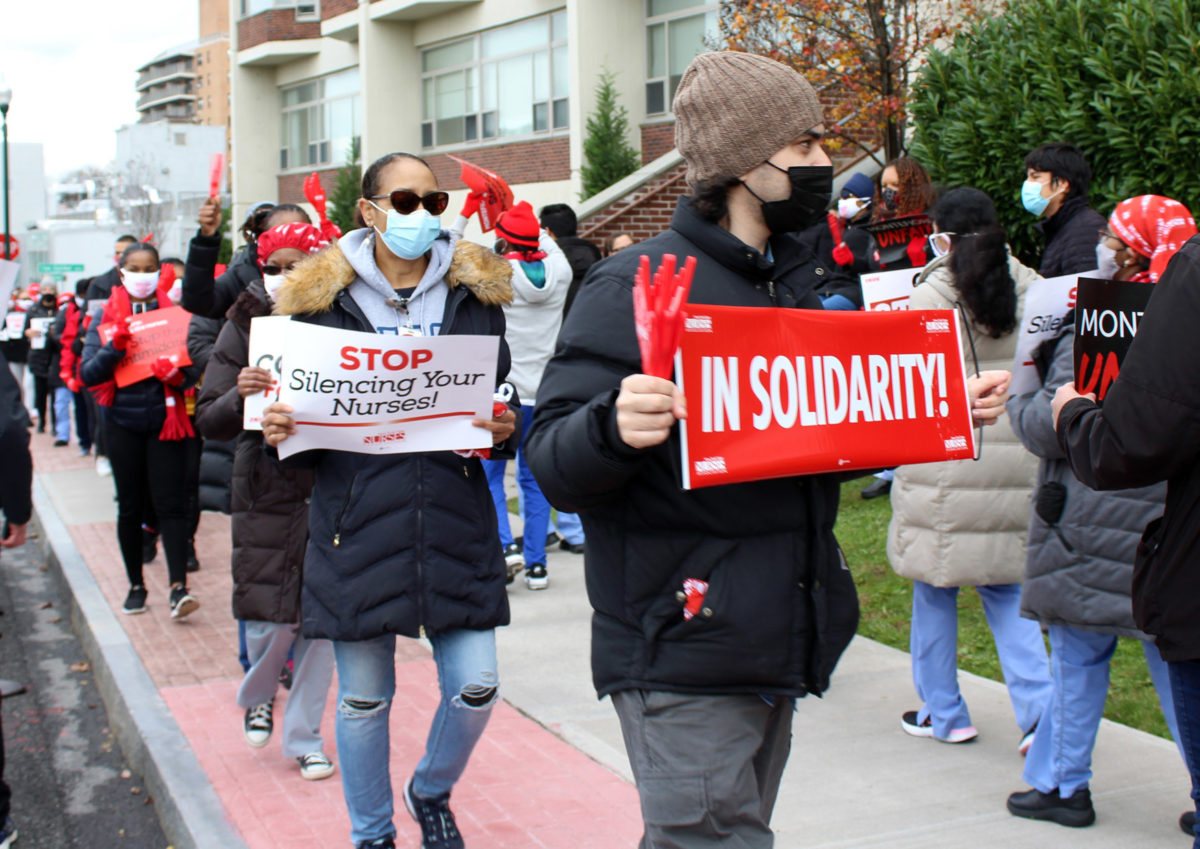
(181, 139)
(676, 31)
(320, 119)
(306, 10)
(505, 82)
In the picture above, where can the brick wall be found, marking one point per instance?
(333, 8)
(538, 161)
(274, 25)
(645, 213)
(657, 139)
(291, 186)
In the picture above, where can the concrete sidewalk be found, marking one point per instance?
(551, 770)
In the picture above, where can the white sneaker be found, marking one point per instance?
(314, 766)
(103, 466)
(257, 724)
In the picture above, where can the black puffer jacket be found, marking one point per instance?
(1149, 431)
(766, 548)
(582, 255)
(43, 361)
(216, 455)
(270, 503)
(1071, 237)
(212, 298)
(102, 285)
(1078, 571)
(140, 406)
(400, 541)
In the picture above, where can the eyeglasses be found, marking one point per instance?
(277, 269)
(406, 202)
(940, 243)
(1106, 236)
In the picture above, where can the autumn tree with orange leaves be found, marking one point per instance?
(860, 55)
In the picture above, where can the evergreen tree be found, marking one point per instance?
(346, 189)
(608, 157)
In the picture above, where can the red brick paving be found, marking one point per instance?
(525, 787)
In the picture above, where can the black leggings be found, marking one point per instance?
(42, 393)
(148, 469)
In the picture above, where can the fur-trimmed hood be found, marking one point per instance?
(314, 284)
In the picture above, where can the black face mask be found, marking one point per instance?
(48, 301)
(891, 199)
(812, 187)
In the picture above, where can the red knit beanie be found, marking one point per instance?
(519, 226)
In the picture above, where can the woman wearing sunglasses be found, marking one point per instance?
(403, 542)
(960, 524)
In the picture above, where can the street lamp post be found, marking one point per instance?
(5, 99)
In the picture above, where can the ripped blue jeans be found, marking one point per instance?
(466, 664)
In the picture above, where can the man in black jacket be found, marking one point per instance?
(706, 701)
(1057, 178)
(16, 483)
(559, 219)
(1149, 431)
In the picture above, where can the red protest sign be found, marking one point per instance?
(774, 393)
(159, 333)
(497, 196)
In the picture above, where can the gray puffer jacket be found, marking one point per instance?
(1080, 574)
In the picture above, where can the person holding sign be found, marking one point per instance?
(403, 542)
(959, 524)
(1149, 431)
(714, 608)
(147, 432)
(43, 353)
(269, 523)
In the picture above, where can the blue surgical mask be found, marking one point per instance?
(1032, 199)
(410, 236)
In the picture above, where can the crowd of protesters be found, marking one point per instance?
(336, 553)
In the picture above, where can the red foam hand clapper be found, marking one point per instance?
(658, 302)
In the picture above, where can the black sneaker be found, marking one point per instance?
(149, 544)
(877, 489)
(59, 443)
(572, 547)
(257, 724)
(382, 843)
(536, 577)
(8, 834)
(1187, 822)
(1075, 812)
(135, 602)
(514, 561)
(193, 565)
(182, 602)
(438, 829)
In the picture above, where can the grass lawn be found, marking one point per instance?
(886, 601)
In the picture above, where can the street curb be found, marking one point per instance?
(191, 814)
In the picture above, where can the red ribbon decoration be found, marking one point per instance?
(658, 312)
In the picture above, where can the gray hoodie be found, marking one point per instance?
(379, 302)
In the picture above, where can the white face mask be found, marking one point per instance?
(272, 282)
(1106, 261)
(850, 207)
(140, 284)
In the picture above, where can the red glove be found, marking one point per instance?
(166, 371)
(121, 337)
(74, 385)
(471, 206)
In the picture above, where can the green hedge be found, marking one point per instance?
(1120, 79)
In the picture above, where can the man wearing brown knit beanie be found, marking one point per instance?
(714, 609)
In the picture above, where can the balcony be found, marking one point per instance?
(414, 10)
(157, 74)
(162, 95)
(174, 112)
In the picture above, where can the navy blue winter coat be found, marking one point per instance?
(401, 541)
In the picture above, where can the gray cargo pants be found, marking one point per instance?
(707, 767)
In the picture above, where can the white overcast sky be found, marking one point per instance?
(72, 67)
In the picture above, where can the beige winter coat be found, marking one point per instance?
(963, 523)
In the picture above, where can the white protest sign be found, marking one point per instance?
(8, 278)
(267, 336)
(14, 325)
(42, 326)
(374, 394)
(1047, 302)
(888, 290)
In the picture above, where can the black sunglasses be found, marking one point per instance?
(406, 202)
(277, 269)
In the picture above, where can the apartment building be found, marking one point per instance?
(507, 84)
(166, 86)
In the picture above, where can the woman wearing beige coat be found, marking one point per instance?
(958, 523)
